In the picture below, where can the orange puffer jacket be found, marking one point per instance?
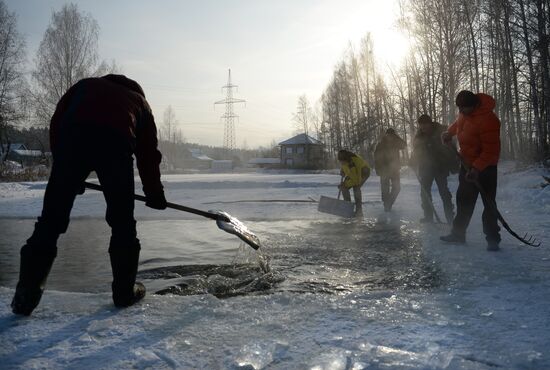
(479, 134)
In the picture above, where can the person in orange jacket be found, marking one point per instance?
(478, 131)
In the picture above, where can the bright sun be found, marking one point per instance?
(379, 18)
(390, 47)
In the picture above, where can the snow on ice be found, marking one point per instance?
(364, 294)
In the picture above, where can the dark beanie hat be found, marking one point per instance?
(344, 155)
(424, 119)
(390, 131)
(126, 82)
(466, 98)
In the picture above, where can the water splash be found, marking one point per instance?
(246, 255)
(222, 281)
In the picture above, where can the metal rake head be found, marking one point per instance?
(532, 241)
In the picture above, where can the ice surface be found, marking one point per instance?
(379, 293)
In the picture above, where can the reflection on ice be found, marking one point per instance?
(355, 255)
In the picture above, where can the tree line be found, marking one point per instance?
(67, 53)
(499, 47)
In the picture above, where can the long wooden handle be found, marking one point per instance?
(339, 187)
(179, 207)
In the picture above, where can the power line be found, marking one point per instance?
(229, 115)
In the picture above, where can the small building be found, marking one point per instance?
(195, 159)
(302, 152)
(21, 154)
(222, 165)
(265, 162)
(14, 146)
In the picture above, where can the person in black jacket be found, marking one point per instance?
(98, 125)
(433, 161)
(388, 164)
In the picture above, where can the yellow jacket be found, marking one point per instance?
(353, 171)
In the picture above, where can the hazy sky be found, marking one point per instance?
(180, 52)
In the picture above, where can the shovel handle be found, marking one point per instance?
(340, 187)
(179, 207)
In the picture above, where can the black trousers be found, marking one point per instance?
(79, 151)
(427, 178)
(390, 186)
(466, 198)
(356, 195)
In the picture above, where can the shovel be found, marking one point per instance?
(336, 206)
(225, 221)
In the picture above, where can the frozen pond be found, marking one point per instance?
(310, 257)
(377, 293)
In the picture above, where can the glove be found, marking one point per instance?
(365, 174)
(342, 185)
(446, 137)
(472, 175)
(156, 200)
(81, 189)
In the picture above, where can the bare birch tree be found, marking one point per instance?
(303, 116)
(12, 81)
(67, 54)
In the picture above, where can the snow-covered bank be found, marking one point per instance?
(484, 311)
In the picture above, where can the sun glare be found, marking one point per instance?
(390, 46)
(379, 19)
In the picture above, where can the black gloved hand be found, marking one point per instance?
(81, 189)
(156, 200)
(472, 175)
(446, 137)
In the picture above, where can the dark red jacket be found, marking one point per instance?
(101, 102)
(479, 134)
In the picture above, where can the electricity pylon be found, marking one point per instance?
(229, 116)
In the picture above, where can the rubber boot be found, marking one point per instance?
(35, 266)
(449, 216)
(426, 220)
(453, 238)
(493, 246)
(124, 263)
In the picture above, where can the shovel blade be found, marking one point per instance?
(336, 207)
(232, 225)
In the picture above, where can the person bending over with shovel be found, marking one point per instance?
(478, 131)
(97, 126)
(354, 171)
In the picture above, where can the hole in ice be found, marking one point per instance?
(323, 257)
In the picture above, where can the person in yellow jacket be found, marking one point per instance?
(355, 172)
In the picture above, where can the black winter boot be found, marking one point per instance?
(453, 238)
(426, 220)
(449, 216)
(124, 262)
(492, 246)
(35, 266)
